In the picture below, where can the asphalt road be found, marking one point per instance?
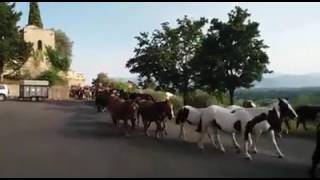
(69, 139)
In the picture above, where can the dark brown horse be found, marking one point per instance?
(155, 112)
(121, 109)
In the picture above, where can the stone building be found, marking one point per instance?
(41, 38)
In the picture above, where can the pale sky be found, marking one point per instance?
(103, 32)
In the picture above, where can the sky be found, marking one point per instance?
(103, 32)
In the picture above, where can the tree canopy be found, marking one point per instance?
(103, 79)
(13, 50)
(34, 15)
(63, 43)
(164, 57)
(60, 57)
(232, 55)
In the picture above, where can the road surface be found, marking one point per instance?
(69, 139)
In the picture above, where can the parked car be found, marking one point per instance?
(4, 92)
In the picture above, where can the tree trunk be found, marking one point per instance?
(1, 71)
(231, 94)
(185, 97)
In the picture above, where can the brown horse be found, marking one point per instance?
(155, 112)
(121, 109)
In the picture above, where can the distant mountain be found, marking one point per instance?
(126, 79)
(274, 80)
(289, 81)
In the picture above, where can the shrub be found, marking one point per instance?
(51, 76)
(119, 85)
(201, 99)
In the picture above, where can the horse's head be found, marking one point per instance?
(286, 109)
(182, 115)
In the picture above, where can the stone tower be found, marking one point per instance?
(40, 37)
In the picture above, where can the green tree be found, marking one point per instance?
(63, 44)
(51, 76)
(13, 50)
(60, 57)
(58, 60)
(34, 15)
(232, 55)
(103, 79)
(164, 58)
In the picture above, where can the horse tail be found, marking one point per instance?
(199, 127)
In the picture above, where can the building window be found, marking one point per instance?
(40, 45)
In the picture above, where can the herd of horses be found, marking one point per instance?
(247, 122)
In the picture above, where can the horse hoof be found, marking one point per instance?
(280, 156)
(254, 151)
(238, 151)
(201, 147)
(248, 157)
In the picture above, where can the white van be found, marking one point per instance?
(4, 92)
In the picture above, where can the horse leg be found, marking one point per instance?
(280, 155)
(305, 125)
(213, 141)
(255, 140)
(126, 126)
(165, 128)
(145, 125)
(246, 153)
(200, 141)
(246, 137)
(216, 132)
(315, 162)
(298, 123)
(250, 139)
(138, 120)
(158, 129)
(133, 123)
(114, 120)
(235, 143)
(181, 134)
(288, 126)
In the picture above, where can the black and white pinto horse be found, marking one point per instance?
(247, 122)
(188, 115)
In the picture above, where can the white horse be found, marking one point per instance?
(265, 119)
(222, 119)
(190, 115)
(252, 121)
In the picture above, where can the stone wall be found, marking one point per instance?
(59, 92)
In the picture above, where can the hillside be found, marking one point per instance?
(289, 81)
